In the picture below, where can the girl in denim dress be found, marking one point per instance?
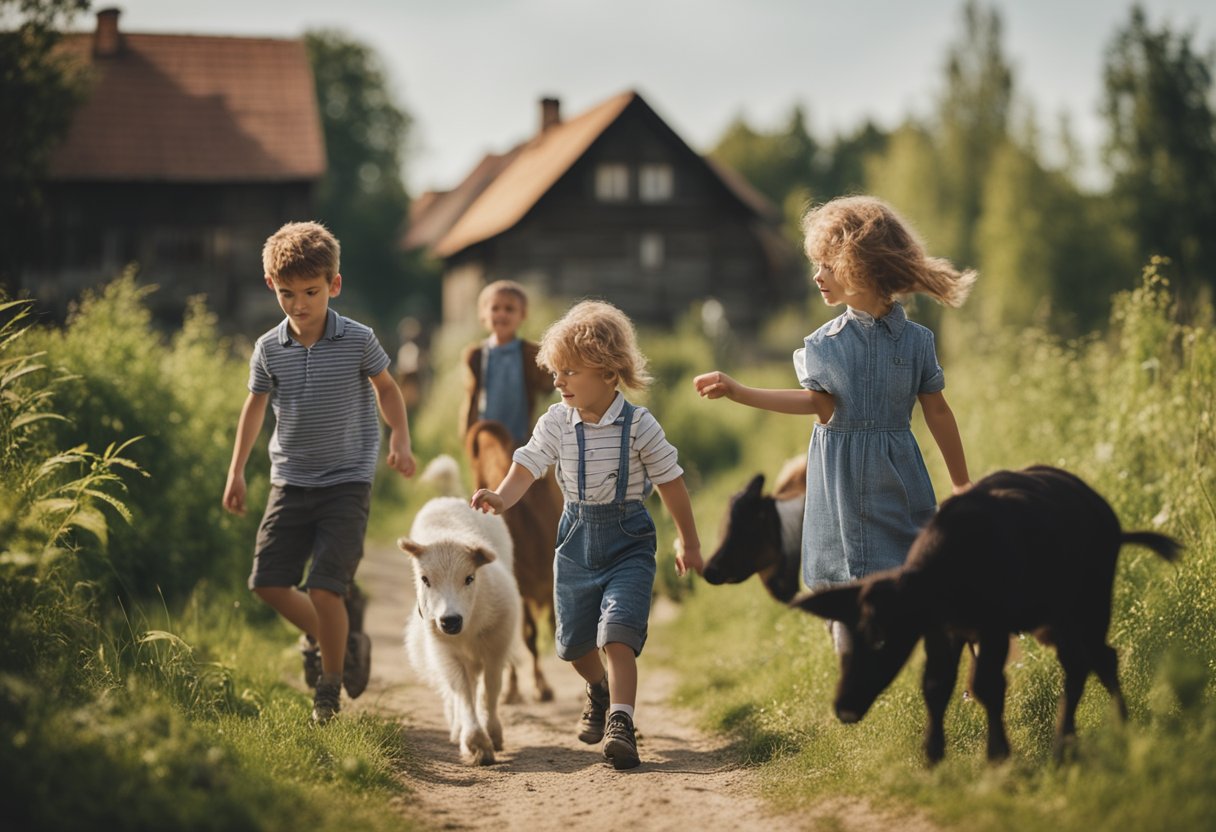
(868, 492)
(607, 453)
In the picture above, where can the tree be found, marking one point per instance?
(842, 168)
(779, 164)
(973, 119)
(1047, 253)
(362, 197)
(1161, 149)
(39, 90)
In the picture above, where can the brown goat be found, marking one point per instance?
(762, 534)
(533, 526)
(1021, 551)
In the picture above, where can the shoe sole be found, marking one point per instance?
(621, 755)
(590, 738)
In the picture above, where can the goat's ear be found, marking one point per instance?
(408, 546)
(482, 556)
(835, 604)
(754, 487)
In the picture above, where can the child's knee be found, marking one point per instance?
(325, 597)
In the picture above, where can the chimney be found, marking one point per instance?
(550, 113)
(107, 42)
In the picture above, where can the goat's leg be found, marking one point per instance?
(942, 655)
(544, 693)
(1106, 666)
(988, 683)
(491, 687)
(1076, 671)
(513, 696)
(475, 746)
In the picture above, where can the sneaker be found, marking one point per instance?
(357, 668)
(356, 604)
(312, 660)
(591, 726)
(621, 746)
(327, 700)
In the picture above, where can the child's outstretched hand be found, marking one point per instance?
(487, 500)
(715, 385)
(688, 557)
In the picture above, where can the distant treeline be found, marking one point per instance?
(986, 187)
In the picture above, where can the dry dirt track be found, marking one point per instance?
(545, 778)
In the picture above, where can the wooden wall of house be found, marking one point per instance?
(186, 239)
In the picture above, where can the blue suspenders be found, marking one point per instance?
(625, 420)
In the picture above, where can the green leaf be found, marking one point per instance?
(91, 520)
(30, 418)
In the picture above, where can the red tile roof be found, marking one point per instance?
(502, 189)
(193, 108)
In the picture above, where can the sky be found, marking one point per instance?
(471, 72)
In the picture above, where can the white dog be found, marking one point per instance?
(468, 617)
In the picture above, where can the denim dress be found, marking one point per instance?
(604, 566)
(867, 489)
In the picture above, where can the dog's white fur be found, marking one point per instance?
(463, 573)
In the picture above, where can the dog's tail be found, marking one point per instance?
(443, 474)
(1163, 545)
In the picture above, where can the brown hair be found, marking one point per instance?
(301, 249)
(505, 287)
(867, 244)
(597, 335)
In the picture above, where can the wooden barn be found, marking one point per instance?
(610, 204)
(188, 153)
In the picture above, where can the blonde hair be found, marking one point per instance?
(597, 335)
(867, 245)
(504, 287)
(301, 249)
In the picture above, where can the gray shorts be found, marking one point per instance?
(325, 524)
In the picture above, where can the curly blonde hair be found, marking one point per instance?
(599, 336)
(301, 249)
(867, 245)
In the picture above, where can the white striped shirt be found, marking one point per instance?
(554, 441)
(327, 429)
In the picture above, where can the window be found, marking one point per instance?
(655, 182)
(650, 251)
(612, 182)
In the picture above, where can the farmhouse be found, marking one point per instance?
(610, 204)
(188, 153)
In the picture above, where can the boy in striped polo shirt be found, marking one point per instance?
(324, 375)
(607, 453)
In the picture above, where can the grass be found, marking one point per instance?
(177, 713)
(191, 724)
(1133, 414)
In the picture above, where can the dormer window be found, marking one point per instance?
(655, 182)
(612, 182)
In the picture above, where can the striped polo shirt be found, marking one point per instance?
(327, 428)
(554, 441)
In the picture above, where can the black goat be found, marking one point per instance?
(1021, 551)
(762, 534)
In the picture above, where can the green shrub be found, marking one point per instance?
(182, 397)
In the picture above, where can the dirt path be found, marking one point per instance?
(545, 778)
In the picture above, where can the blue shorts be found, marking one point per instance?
(603, 576)
(325, 524)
